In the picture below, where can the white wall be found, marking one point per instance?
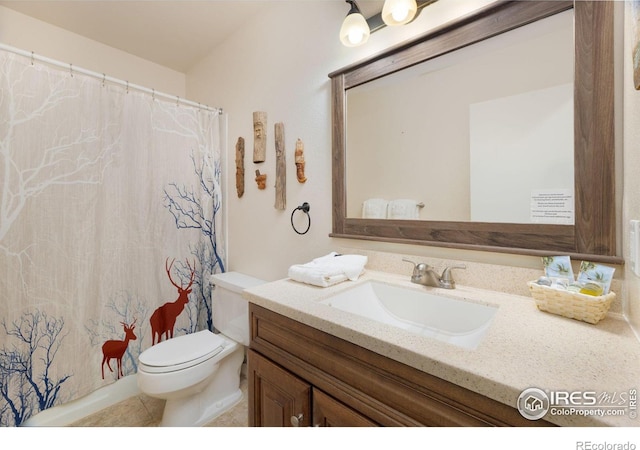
(32, 35)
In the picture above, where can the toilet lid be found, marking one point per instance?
(181, 352)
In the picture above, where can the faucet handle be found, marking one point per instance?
(419, 269)
(409, 261)
(446, 280)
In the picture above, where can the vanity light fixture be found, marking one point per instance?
(355, 29)
(399, 12)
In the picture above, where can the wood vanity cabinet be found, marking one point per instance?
(280, 399)
(301, 376)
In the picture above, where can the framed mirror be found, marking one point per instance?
(556, 196)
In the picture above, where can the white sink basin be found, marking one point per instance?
(457, 322)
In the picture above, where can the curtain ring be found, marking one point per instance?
(104, 79)
(32, 58)
(71, 69)
(305, 209)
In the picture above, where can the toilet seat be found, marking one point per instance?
(181, 352)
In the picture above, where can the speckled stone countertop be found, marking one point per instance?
(523, 348)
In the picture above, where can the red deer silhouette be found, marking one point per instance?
(164, 318)
(116, 349)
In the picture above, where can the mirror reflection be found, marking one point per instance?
(482, 134)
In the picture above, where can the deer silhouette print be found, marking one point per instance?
(164, 318)
(116, 349)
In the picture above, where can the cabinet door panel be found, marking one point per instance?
(328, 412)
(275, 395)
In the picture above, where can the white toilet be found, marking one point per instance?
(199, 374)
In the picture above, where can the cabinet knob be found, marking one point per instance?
(297, 420)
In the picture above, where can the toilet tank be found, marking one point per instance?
(230, 309)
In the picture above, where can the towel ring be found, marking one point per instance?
(305, 209)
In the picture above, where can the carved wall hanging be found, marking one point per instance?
(261, 179)
(299, 160)
(259, 136)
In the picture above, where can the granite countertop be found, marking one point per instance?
(523, 348)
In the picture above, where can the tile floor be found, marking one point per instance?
(145, 411)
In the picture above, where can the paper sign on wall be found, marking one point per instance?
(554, 206)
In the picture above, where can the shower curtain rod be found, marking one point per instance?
(101, 76)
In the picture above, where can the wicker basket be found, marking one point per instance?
(587, 308)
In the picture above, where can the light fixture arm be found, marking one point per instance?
(354, 7)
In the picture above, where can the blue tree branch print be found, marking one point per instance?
(26, 391)
(197, 210)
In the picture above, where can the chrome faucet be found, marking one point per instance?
(424, 274)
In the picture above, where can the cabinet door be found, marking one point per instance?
(276, 397)
(328, 412)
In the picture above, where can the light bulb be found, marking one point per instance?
(354, 31)
(355, 36)
(399, 12)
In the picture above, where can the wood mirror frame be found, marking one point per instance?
(593, 236)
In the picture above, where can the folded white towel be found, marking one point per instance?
(403, 209)
(329, 269)
(374, 208)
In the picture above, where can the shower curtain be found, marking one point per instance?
(110, 227)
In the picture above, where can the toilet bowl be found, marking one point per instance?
(198, 374)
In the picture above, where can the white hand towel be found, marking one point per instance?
(329, 269)
(403, 209)
(374, 208)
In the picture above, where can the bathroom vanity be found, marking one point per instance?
(302, 376)
(310, 364)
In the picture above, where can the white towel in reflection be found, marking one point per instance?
(403, 209)
(374, 208)
(329, 269)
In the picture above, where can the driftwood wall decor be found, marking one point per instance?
(261, 179)
(281, 168)
(635, 14)
(240, 167)
(259, 136)
(299, 160)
